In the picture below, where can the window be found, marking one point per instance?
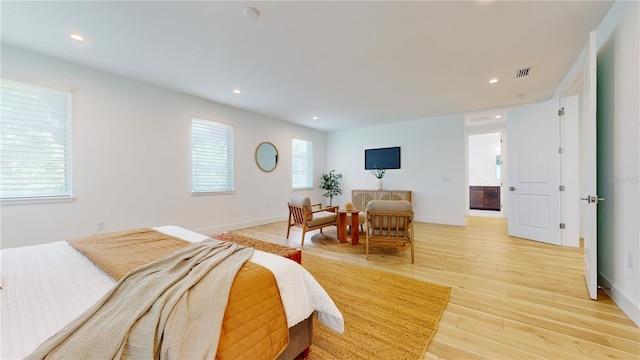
(211, 156)
(302, 164)
(35, 141)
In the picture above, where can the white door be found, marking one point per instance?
(588, 170)
(534, 172)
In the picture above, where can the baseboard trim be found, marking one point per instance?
(258, 222)
(442, 221)
(624, 303)
(240, 225)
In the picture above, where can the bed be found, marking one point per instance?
(45, 287)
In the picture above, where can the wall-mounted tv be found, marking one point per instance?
(382, 158)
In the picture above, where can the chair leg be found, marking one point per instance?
(288, 229)
(366, 247)
(412, 260)
(411, 238)
(303, 234)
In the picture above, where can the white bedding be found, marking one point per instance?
(44, 287)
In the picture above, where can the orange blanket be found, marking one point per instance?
(254, 324)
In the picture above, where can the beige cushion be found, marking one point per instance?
(389, 206)
(305, 202)
(322, 217)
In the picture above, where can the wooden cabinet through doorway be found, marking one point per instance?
(484, 197)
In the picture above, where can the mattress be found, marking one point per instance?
(46, 286)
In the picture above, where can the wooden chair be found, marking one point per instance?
(389, 221)
(303, 216)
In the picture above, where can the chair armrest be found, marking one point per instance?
(328, 208)
(331, 208)
(319, 205)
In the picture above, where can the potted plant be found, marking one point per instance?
(379, 174)
(331, 184)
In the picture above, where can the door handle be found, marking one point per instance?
(512, 188)
(592, 199)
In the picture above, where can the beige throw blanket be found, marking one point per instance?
(145, 315)
(117, 253)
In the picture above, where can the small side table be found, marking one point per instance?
(342, 226)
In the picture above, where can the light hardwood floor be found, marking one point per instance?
(510, 298)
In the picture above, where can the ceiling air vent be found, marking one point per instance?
(523, 73)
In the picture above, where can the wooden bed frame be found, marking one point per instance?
(300, 338)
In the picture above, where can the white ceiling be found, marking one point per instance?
(351, 64)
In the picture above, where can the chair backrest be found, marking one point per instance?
(303, 201)
(300, 208)
(389, 217)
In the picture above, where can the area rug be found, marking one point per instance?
(328, 240)
(386, 316)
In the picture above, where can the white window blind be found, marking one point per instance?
(35, 141)
(302, 164)
(211, 156)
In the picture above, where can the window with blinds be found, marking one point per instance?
(211, 156)
(302, 164)
(35, 141)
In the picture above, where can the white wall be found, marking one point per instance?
(131, 159)
(432, 161)
(483, 149)
(619, 155)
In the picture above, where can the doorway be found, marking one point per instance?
(485, 174)
(486, 163)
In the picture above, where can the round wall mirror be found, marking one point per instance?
(267, 156)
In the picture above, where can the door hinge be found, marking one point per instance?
(561, 188)
(561, 112)
(562, 225)
(560, 151)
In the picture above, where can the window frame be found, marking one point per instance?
(296, 184)
(228, 130)
(34, 91)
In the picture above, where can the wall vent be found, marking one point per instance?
(523, 73)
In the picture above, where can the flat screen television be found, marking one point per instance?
(382, 158)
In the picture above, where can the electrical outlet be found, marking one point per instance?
(630, 260)
(100, 226)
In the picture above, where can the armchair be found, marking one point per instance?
(303, 216)
(391, 221)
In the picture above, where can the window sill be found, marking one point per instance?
(37, 200)
(205, 193)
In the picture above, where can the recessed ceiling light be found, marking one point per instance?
(493, 81)
(76, 37)
(498, 116)
(315, 118)
(236, 91)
